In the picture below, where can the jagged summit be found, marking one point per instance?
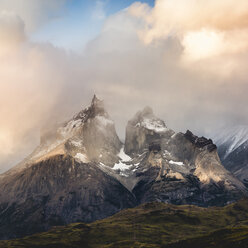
(85, 137)
(96, 108)
(143, 129)
(200, 142)
(148, 120)
(96, 101)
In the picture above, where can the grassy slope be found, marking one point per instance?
(230, 237)
(152, 225)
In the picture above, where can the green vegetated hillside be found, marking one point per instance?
(152, 225)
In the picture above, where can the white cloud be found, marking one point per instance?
(182, 16)
(206, 28)
(11, 31)
(33, 12)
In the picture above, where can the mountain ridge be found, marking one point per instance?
(83, 172)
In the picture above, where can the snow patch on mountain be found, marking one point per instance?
(176, 163)
(121, 166)
(153, 124)
(123, 156)
(82, 157)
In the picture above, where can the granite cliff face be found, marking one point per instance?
(82, 172)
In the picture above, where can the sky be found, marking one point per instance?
(187, 59)
(79, 21)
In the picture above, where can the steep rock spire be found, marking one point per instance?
(96, 108)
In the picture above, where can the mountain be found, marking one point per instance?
(233, 150)
(175, 167)
(61, 181)
(81, 172)
(151, 225)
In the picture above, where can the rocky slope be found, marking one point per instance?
(59, 191)
(233, 150)
(82, 172)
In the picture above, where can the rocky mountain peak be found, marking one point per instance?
(200, 142)
(96, 108)
(142, 130)
(89, 136)
(146, 119)
(96, 101)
